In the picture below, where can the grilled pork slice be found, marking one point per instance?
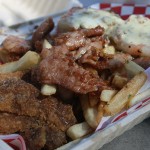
(13, 48)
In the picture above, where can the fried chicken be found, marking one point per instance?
(11, 123)
(37, 119)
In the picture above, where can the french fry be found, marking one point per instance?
(120, 100)
(48, 89)
(133, 68)
(90, 113)
(107, 95)
(93, 99)
(137, 98)
(79, 130)
(28, 61)
(100, 111)
(119, 81)
(46, 44)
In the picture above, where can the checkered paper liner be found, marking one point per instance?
(15, 141)
(124, 10)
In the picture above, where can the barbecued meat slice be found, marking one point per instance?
(13, 48)
(35, 138)
(61, 69)
(41, 32)
(20, 97)
(76, 39)
(47, 138)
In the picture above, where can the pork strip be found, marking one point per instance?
(41, 32)
(13, 48)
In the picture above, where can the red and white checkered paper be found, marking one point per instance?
(15, 141)
(124, 10)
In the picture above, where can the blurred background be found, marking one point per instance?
(15, 11)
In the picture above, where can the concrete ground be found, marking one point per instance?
(138, 138)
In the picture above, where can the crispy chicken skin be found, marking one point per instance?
(37, 119)
(11, 123)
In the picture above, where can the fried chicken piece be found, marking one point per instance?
(17, 96)
(10, 123)
(41, 32)
(21, 98)
(13, 48)
(37, 119)
(55, 137)
(56, 113)
(35, 138)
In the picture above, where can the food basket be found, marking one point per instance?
(110, 127)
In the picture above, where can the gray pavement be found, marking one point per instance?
(138, 138)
